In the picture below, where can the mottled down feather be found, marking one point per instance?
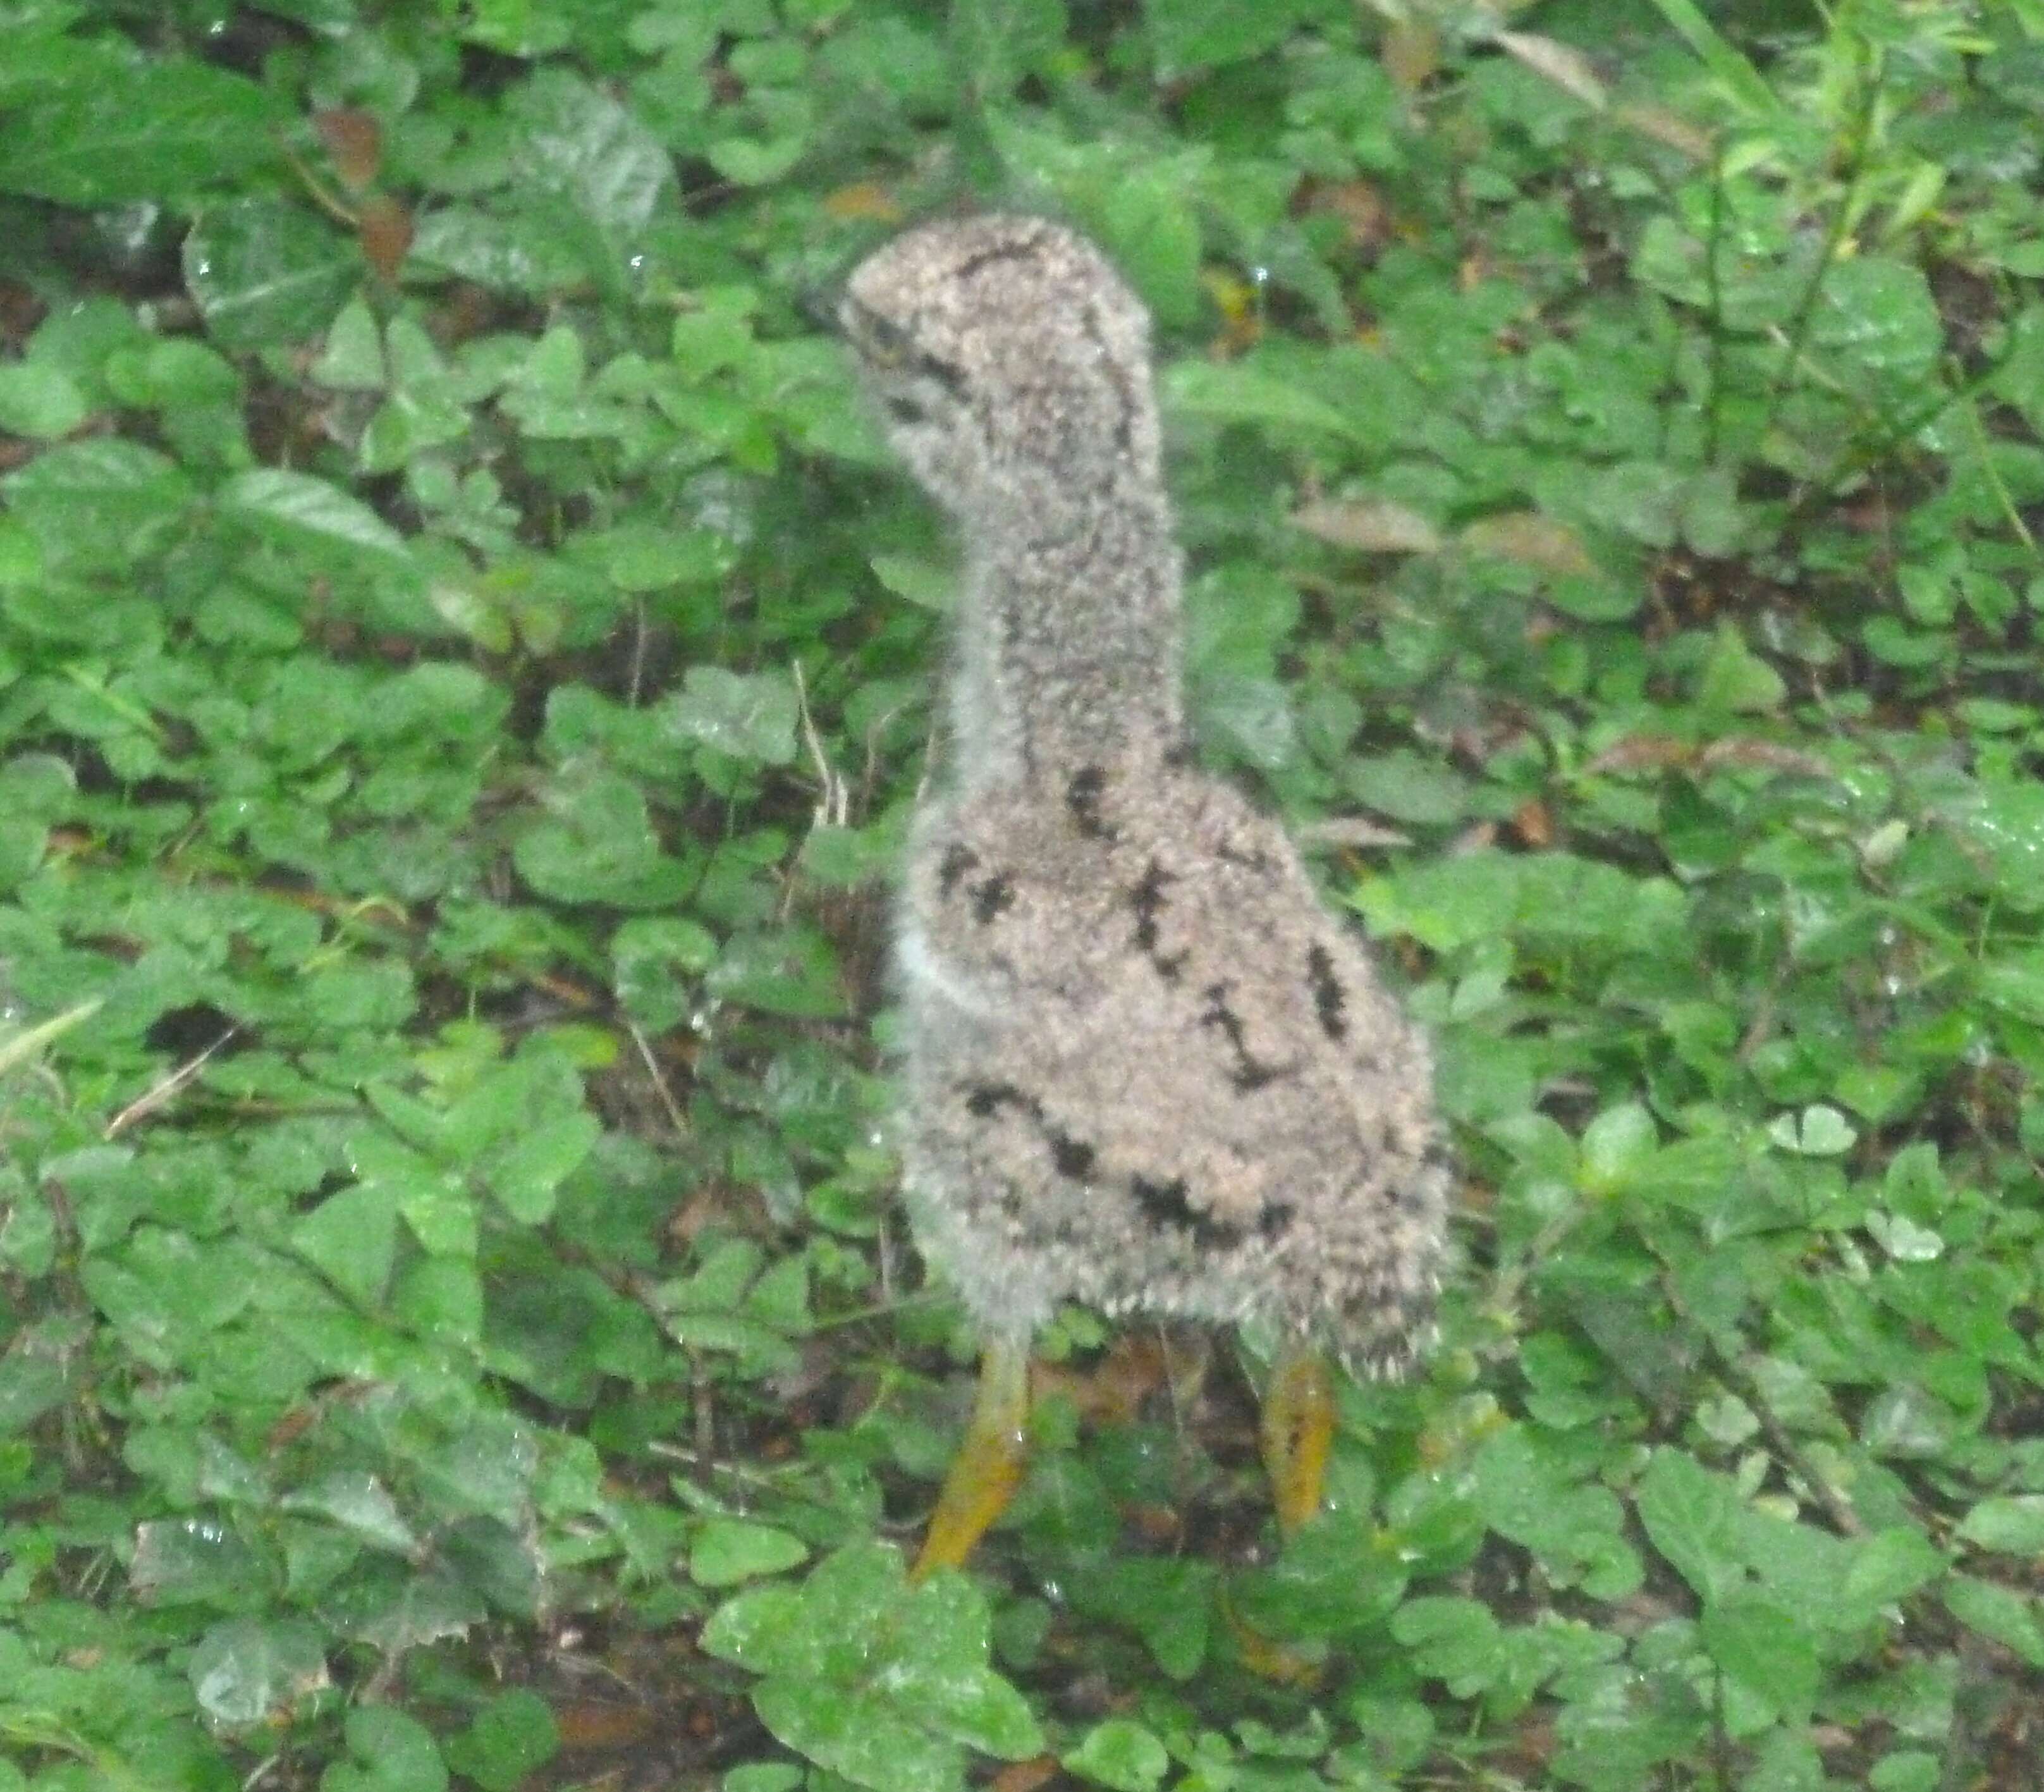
(1143, 1067)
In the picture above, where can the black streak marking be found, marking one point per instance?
(1178, 757)
(891, 346)
(984, 1100)
(1073, 1157)
(1255, 859)
(1276, 1220)
(1165, 1204)
(1249, 1071)
(952, 379)
(990, 897)
(956, 861)
(1082, 798)
(1147, 900)
(999, 252)
(1328, 1000)
(1070, 1157)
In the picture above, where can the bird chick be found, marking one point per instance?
(1143, 1068)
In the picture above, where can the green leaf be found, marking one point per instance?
(1906, 1770)
(1763, 1648)
(602, 848)
(1886, 1567)
(1692, 1516)
(512, 1737)
(726, 1550)
(31, 1385)
(1189, 34)
(352, 360)
(1252, 715)
(1819, 1131)
(264, 274)
(356, 1500)
(766, 1630)
(1334, 1576)
(1999, 1612)
(2013, 1524)
(873, 1679)
(390, 1752)
(167, 127)
(788, 971)
(750, 716)
(1455, 1640)
(251, 1670)
(1154, 238)
(1616, 1147)
(764, 1776)
(1737, 679)
(100, 504)
(1120, 1755)
(2016, 983)
(1408, 788)
(932, 584)
(1878, 317)
(351, 1237)
(996, 42)
(193, 1561)
(937, 1671)
(2002, 819)
(657, 958)
(299, 510)
(581, 143)
(1640, 498)
(525, 1178)
(39, 400)
(859, 1735)
(1228, 392)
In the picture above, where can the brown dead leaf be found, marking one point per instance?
(1529, 539)
(1411, 53)
(1113, 1390)
(594, 1724)
(1368, 525)
(1365, 218)
(1642, 752)
(383, 227)
(1159, 1527)
(1568, 69)
(1475, 837)
(864, 202)
(1534, 823)
(1242, 317)
(1351, 833)
(1743, 751)
(1662, 126)
(354, 142)
(1025, 1776)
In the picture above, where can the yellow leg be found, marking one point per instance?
(1298, 1428)
(1296, 1431)
(989, 1465)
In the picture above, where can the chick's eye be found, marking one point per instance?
(881, 341)
(907, 412)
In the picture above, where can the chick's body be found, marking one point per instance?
(1145, 1070)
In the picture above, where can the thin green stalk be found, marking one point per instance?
(1805, 314)
(1739, 77)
